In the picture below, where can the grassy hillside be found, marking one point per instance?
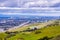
(48, 32)
(38, 25)
(37, 34)
(3, 36)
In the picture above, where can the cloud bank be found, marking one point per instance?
(29, 3)
(32, 7)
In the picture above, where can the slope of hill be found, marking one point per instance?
(48, 32)
(31, 26)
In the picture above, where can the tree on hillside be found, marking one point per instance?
(45, 38)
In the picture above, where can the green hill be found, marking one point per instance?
(37, 34)
(49, 32)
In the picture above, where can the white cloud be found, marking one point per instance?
(25, 4)
(41, 3)
(28, 3)
(36, 3)
(2, 4)
(8, 3)
(46, 14)
(52, 2)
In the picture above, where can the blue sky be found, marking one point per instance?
(30, 7)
